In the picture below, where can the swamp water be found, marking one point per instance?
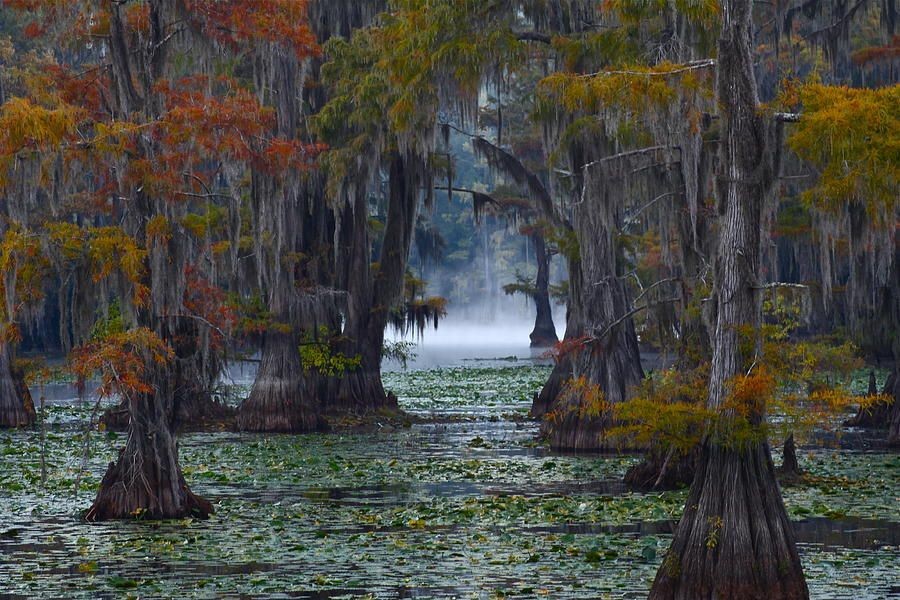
(467, 505)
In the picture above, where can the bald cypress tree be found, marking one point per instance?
(734, 539)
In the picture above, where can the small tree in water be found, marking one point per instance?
(126, 363)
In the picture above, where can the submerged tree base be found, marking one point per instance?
(574, 431)
(543, 337)
(734, 541)
(578, 420)
(16, 412)
(122, 497)
(282, 400)
(279, 406)
(879, 415)
(789, 472)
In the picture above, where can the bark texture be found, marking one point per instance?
(279, 401)
(16, 406)
(146, 480)
(599, 314)
(734, 540)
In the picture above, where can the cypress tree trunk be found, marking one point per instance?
(146, 480)
(288, 219)
(892, 387)
(544, 332)
(282, 398)
(599, 314)
(16, 406)
(360, 390)
(279, 400)
(372, 294)
(613, 363)
(562, 369)
(734, 540)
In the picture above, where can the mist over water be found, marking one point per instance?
(488, 334)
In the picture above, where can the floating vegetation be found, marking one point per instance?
(469, 508)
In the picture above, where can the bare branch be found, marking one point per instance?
(781, 284)
(532, 36)
(691, 66)
(630, 313)
(786, 117)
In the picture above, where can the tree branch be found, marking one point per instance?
(691, 66)
(786, 117)
(532, 36)
(780, 284)
(630, 313)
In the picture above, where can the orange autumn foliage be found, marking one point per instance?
(122, 360)
(236, 22)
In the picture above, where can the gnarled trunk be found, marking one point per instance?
(544, 332)
(146, 480)
(16, 406)
(734, 539)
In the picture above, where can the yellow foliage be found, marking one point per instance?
(667, 409)
(112, 250)
(850, 135)
(26, 125)
(23, 269)
(158, 230)
(748, 394)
